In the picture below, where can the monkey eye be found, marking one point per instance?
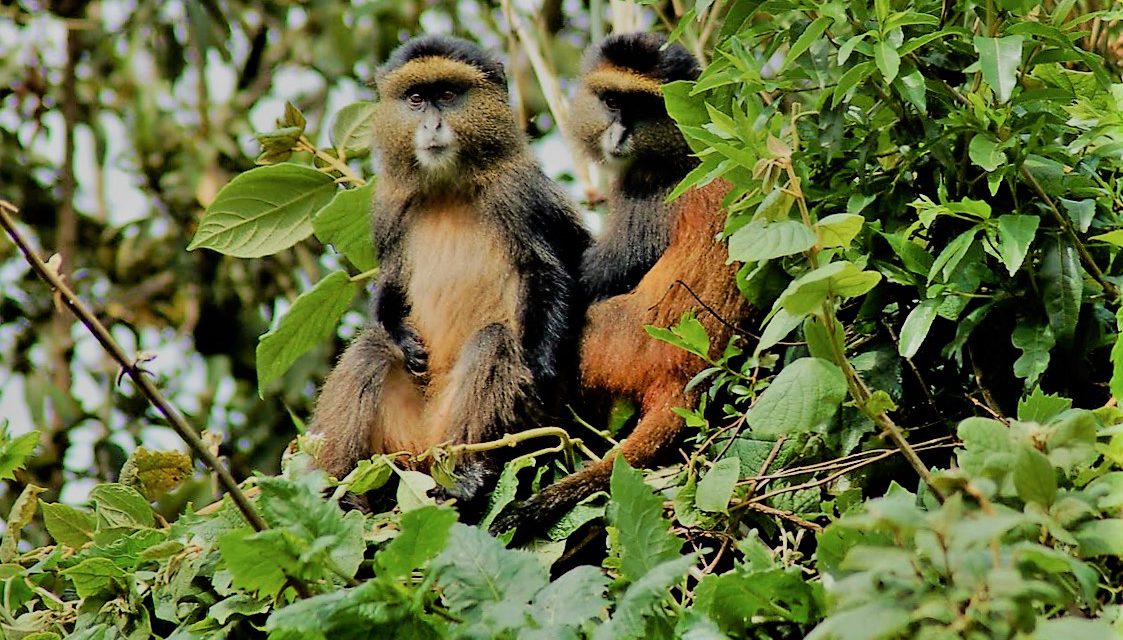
(447, 96)
(415, 100)
(612, 103)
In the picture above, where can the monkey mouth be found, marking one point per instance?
(435, 156)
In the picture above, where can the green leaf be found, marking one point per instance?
(67, 525)
(988, 450)
(310, 321)
(812, 33)
(637, 513)
(264, 210)
(1070, 627)
(1042, 407)
(984, 151)
(119, 506)
(1111, 237)
(1034, 477)
(353, 129)
(844, 279)
(19, 516)
(734, 599)
(847, 47)
(240, 604)
(999, 59)
(838, 230)
(1015, 235)
(952, 255)
(344, 223)
(638, 602)
(569, 601)
(804, 396)
(1082, 212)
(93, 575)
(1101, 538)
(715, 489)
(916, 326)
(15, 452)
(369, 475)
(1035, 341)
(688, 334)
(822, 343)
(477, 573)
(850, 79)
(778, 328)
(760, 240)
(1062, 288)
(1116, 383)
(888, 60)
(882, 618)
(775, 207)
(424, 533)
(413, 489)
(255, 561)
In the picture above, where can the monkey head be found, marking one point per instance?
(443, 115)
(618, 113)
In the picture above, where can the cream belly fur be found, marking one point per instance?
(460, 280)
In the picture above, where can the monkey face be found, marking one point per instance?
(434, 142)
(441, 121)
(619, 127)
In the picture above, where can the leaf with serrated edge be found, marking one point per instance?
(68, 525)
(119, 506)
(264, 210)
(803, 396)
(644, 534)
(344, 223)
(311, 320)
(353, 129)
(761, 240)
(424, 534)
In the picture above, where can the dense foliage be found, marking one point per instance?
(919, 440)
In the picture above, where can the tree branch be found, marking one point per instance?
(51, 276)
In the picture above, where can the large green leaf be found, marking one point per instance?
(844, 279)
(263, 211)
(344, 223)
(1062, 288)
(1015, 235)
(637, 513)
(915, 328)
(311, 320)
(760, 240)
(804, 396)
(353, 130)
(999, 59)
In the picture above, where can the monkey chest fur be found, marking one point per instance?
(460, 279)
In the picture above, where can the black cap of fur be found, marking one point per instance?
(449, 47)
(643, 53)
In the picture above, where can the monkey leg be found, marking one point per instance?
(487, 394)
(657, 427)
(366, 403)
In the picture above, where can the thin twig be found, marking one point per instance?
(1066, 226)
(150, 392)
(786, 515)
(767, 463)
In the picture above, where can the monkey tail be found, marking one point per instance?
(658, 426)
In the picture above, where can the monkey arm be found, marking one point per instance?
(390, 308)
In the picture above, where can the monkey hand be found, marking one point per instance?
(413, 349)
